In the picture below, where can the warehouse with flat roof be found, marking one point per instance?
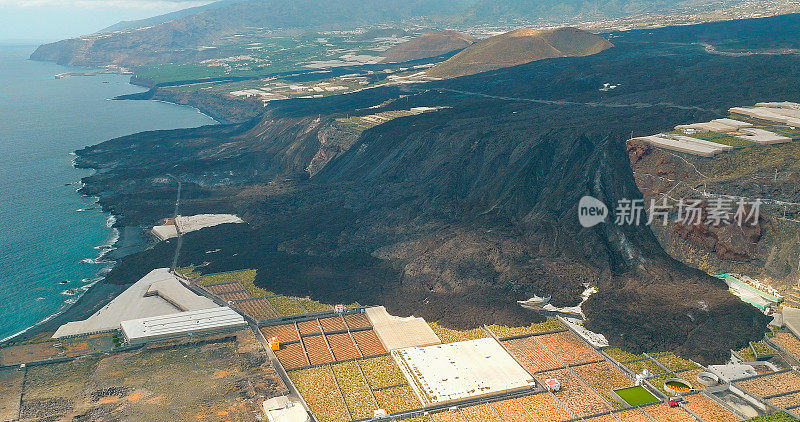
(142, 330)
(466, 369)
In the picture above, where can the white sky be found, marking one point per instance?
(57, 19)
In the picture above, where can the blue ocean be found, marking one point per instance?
(51, 237)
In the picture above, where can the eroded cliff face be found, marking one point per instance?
(767, 250)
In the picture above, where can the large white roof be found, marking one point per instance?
(139, 301)
(455, 371)
(181, 323)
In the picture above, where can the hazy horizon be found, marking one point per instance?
(29, 21)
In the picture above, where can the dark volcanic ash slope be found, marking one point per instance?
(456, 214)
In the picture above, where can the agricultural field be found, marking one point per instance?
(382, 385)
(292, 356)
(604, 377)
(621, 355)
(344, 345)
(284, 332)
(234, 296)
(218, 289)
(770, 385)
(577, 395)
(638, 366)
(532, 355)
(223, 380)
(356, 321)
(632, 415)
(675, 363)
(318, 388)
(286, 306)
(662, 412)
(382, 372)
(397, 399)
(259, 309)
(447, 335)
(356, 392)
(318, 351)
(333, 324)
(708, 409)
(602, 418)
(537, 328)
(10, 392)
(448, 416)
(512, 410)
(369, 343)
(544, 408)
(569, 348)
(481, 413)
(788, 342)
(309, 327)
(788, 401)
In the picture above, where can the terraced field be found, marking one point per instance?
(577, 395)
(773, 384)
(708, 409)
(569, 348)
(318, 388)
(788, 342)
(664, 413)
(532, 355)
(258, 309)
(537, 328)
(351, 394)
(447, 335)
(544, 408)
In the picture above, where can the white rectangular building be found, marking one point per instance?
(142, 330)
(456, 371)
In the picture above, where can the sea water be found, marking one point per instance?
(50, 236)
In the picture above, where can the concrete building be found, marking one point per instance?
(138, 331)
(467, 369)
(397, 332)
(157, 293)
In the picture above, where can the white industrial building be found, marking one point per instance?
(158, 293)
(466, 369)
(138, 331)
